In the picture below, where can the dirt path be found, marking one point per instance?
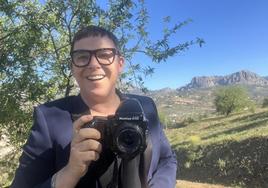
(188, 184)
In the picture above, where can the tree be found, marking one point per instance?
(230, 99)
(35, 39)
(265, 103)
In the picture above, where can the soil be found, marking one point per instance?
(188, 184)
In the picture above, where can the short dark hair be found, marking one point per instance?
(93, 31)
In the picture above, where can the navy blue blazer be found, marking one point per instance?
(48, 147)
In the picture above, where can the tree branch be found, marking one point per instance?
(12, 32)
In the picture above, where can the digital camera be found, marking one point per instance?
(125, 132)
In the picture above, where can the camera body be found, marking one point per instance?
(125, 132)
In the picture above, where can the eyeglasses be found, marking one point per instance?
(105, 56)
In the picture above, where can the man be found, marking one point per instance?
(60, 153)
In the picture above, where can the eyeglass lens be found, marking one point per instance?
(103, 56)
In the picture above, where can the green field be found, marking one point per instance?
(232, 150)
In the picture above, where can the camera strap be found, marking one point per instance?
(141, 171)
(115, 179)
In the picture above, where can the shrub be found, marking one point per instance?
(230, 99)
(265, 103)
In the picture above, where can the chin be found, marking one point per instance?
(99, 92)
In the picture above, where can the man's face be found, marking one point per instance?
(95, 79)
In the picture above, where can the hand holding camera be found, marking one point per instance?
(125, 132)
(85, 148)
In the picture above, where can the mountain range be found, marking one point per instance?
(242, 77)
(197, 97)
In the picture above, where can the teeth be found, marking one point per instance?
(95, 77)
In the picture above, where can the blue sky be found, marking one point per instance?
(235, 32)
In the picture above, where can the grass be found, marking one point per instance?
(229, 150)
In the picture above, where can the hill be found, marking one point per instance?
(231, 150)
(196, 98)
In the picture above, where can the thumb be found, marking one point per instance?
(81, 121)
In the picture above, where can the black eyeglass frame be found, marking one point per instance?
(94, 52)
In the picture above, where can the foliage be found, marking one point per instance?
(8, 164)
(35, 38)
(265, 103)
(164, 119)
(230, 99)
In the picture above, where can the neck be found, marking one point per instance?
(102, 106)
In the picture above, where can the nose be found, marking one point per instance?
(93, 62)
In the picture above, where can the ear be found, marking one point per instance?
(121, 64)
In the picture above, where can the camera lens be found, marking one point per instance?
(129, 140)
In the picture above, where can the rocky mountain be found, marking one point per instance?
(196, 98)
(241, 77)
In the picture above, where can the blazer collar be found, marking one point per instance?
(80, 107)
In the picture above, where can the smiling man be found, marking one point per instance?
(61, 153)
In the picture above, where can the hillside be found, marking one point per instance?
(224, 150)
(230, 151)
(196, 98)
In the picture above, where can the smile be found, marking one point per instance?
(95, 77)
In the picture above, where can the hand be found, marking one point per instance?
(85, 147)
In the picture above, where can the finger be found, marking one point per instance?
(88, 145)
(90, 133)
(81, 121)
(88, 156)
(87, 133)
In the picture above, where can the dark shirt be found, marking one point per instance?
(48, 147)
